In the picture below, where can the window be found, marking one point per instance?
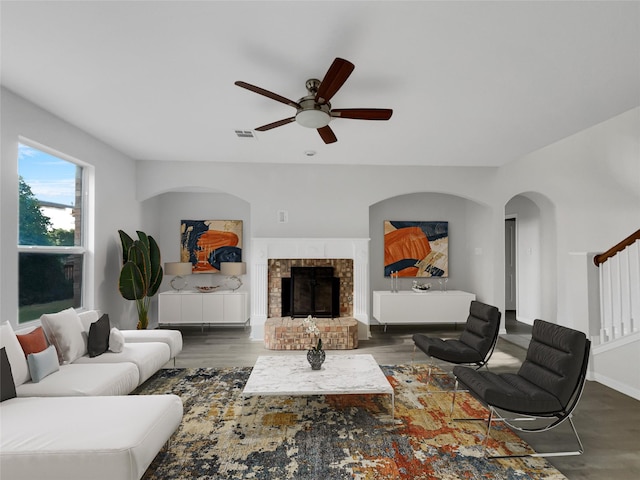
(51, 246)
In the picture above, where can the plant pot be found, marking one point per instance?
(315, 358)
(143, 321)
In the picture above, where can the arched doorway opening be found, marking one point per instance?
(530, 265)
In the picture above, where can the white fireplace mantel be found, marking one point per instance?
(264, 249)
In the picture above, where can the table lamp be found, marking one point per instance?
(234, 270)
(179, 269)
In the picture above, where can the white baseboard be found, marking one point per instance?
(528, 321)
(617, 385)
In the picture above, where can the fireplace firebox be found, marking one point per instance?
(311, 291)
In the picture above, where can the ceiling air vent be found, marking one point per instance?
(245, 134)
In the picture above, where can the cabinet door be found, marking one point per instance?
(192, 308)
(235, 308)
(213, 308)
(169, 308)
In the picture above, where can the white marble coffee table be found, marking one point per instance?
(340, 374)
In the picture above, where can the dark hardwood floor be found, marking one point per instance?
(607, 421)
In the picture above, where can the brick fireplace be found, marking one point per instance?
(281, 268)
(271, 257)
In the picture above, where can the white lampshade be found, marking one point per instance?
(177, 268)
(233, 269)
(313, 118)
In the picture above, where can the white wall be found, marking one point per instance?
(587, 187)
(323, 200)
(115, 204)
(328, 201)
(528, 259)
(161, 219)
(616, 365)
(468, 244)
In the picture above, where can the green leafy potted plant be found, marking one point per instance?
(141, 273)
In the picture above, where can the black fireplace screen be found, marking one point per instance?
(311, 291)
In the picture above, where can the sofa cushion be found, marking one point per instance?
(33, 342)
(116, 340)
(7, 387)
(64, 331)
(450, 350)
(149, 357)
(43, 364)
(17, 360)
(507, 391)
(99, 336)
(88, 317)
(555, 359)
(173, 338)
(123, 437)
(75, 380)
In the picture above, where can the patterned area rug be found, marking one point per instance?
(224, 436)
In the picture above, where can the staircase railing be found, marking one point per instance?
(603, 257)
(620, 288)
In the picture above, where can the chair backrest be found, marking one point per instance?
(481, 329)
(556, 359)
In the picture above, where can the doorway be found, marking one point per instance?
(510, 265)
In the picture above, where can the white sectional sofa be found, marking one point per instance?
(149, 350)
(73, 438)
(84, 380)
(77, 421)
(143, 354)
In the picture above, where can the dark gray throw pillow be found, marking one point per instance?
(99, 336)
(7, 385)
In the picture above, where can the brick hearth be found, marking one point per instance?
(289, 334)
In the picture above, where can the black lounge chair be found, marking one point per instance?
(475, 344)
(547, 386)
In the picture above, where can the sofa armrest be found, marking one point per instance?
(173, 338)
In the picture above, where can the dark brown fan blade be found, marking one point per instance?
(327, 134)
(335, 77)
(363, 113)
(268, 94)
(279, 123)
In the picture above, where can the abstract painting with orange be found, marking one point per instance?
(416, 249)
(207, 243)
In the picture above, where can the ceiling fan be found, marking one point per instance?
(314, 109)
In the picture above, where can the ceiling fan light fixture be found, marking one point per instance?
(313, 118)
(314, 110)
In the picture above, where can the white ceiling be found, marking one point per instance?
(471, 83)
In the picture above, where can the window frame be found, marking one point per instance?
(86, 224)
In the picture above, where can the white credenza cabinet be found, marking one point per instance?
(405, 307)
(191, 307)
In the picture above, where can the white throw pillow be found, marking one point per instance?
(43, 364)
(15, 354)
(88, 317)
(65, 332)
(116, 340)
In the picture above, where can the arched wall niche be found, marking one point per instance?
(536, 262)
(162, 214)
(470, 245)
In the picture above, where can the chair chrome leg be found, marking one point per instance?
(430, 373)
(453, 400)
(580, 450)
(486, 436)
(453, 405)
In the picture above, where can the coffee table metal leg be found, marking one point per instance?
(393, 405)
